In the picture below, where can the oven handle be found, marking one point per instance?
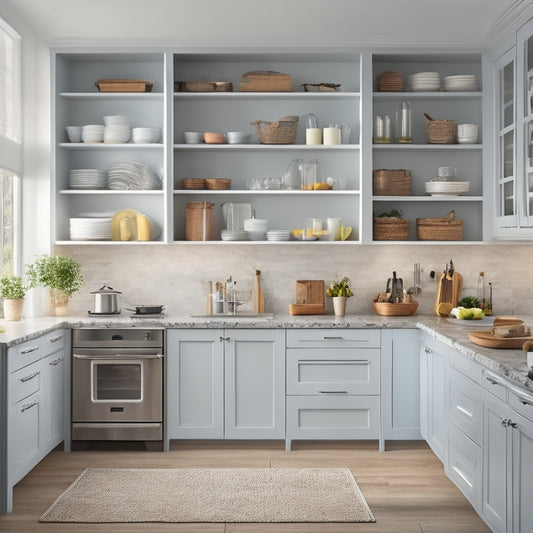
(117, 356)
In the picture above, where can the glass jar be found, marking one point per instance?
(382, 129)
(403, 124)
(314, 174)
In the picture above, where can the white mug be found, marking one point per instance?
(332, 135)
(467, 133)
(313, 136)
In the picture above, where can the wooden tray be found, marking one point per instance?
(306, 309)
(487, 339)
(310, 299)
(124, 86)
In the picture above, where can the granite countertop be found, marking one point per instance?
(509, 363)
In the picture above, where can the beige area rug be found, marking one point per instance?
(211, 495)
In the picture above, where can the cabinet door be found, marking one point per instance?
(53, 399)
(255, 384)
(195, 383)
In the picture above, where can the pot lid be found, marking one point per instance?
(106, 290)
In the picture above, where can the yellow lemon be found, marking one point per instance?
(297, 232)
(346, 232)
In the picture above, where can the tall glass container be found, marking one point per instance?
(403, 123)
(382, 129)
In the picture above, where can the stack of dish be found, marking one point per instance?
(132, 175)
(146, 135)
(465, 82)
(233, 235)
(90, 229)
(117, 129)
(447, 188)
(256, 228)
(87, 178)
(278, 235)
(92, 133)
(424, 81)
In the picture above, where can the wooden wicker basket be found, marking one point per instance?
(193, 183)
(390, 81)
(391, 229)
(203, 86)
(265, 81)
(391, 182)
(441, 131)
(199, 221)
(124, 86)
(389, 309)
(218, 184)
(435, 229)
(282, 131)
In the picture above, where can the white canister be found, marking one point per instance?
(332, 135)
(313, 136)
(334, 229)
(467, 133)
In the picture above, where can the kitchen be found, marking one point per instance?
(177, 274)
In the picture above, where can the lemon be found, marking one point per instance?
(346, 232)
(297, 232)
(322, 186)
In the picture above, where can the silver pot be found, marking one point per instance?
(105, 301)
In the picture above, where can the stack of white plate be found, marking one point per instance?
(92, 133)
(90, 229)
(447, 188)
(278, 235)
(87, 178)
(256, 228)
(132, 175)
(146, 135)
(424, 81)
(233, 235)
(465, 82)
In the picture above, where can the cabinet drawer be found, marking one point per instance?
(522, 402)
(346, 417)
(465, 465)
(53, 342)
(494, 383)
(24, 382)
(333, 371)
(333, 338)
(23, 354)
(465, 406)
(466, 366)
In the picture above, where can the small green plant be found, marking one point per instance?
(59, 272)
(394, 213)
(468, 302)
(340, 288)
(12, 287)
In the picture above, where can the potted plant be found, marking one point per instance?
(12, 290)
(61, 274)
(339, 292)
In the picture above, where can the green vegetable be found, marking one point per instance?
(468, 302)
(470, 313)
(395, 213)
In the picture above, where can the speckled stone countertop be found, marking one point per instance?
(454, 333)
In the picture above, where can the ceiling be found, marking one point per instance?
(457, 22)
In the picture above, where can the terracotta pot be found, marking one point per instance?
(339, 305)
(13, 308)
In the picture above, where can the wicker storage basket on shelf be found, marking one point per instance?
(436, 229)
(390, 81)
(441, 131)
(199, 221)
(203, 86)
(193, 183)
(391, 229)
(265, 81)
(391, 182)
(282, 131)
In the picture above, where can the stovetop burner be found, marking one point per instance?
(92, 313)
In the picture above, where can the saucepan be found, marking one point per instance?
(148, 309)
(105, 301)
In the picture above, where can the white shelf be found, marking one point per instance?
(109, 243)
(156, 192)
(111, 96)
(111, 146)
(266, 147)
(449, 198)
(292, 95)
(428, 95)
(397, 146)
(263, 192)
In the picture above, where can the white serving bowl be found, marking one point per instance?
(117, 134)
(92, 133)
(146, 135)
(74, 133)
(117, 120)
(238, 137)
(193, 137)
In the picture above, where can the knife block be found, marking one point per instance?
(310, 299)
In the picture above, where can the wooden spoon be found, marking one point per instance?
(428, 117)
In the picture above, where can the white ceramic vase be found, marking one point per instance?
(13, 308)
(339, 305)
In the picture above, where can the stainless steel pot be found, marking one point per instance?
(105, 301)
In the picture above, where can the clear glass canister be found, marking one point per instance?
(403, 123)
(314, 175)
(382, 129)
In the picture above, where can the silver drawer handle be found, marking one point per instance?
(523, 401)
(333, 392)
(493, 381)
(464, 411)
(332, 338)
(29, 350)
(31, 376)
(55, 339)
(55, 362)
(28, 406)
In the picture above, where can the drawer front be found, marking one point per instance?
(333, 338)
(347, 417)
(465, 406)
(24, 382)
(467, 367)
(465, 466)
(53, 342)
(522, 402)
(333, 371)
(494, 384)
(23, 354)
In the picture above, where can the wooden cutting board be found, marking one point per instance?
(487, 339)
(310, 298)
(448, 290)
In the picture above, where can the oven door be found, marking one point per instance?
(117, 388)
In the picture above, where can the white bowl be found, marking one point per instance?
(117, 134)
(238, 137)
(74, 133)
(116, 120)
(467, 140)
(146, 135)
(193, 137)
(92, 133)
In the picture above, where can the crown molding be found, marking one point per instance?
(509, 22)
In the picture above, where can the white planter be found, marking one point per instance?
(13, 308)
(339, 305)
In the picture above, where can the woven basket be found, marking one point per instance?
(282, 131)
(391, 309)
(199, 221)
(203, 86)
(390, 81)
(391, 229)
(435, 229)
(193, 183)
(441, 131)
(391, 182)
(218, 184)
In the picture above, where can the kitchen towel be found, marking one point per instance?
(103, 495)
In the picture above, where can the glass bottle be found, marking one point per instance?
(382, 129)
(481, 291)
(403, 123)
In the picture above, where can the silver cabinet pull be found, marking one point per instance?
(55, 339)
(464, 411)
(332, 338)
(505, 422)
(29, 350)
(55, 362)
(333, 392)
(493, 381)
(117, 356)
(523, 401)
(31, 376)
(28, 406)
(513, 424)
(223, 339)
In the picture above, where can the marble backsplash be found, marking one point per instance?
(177, 275)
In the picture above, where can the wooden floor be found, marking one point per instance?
(405, 486)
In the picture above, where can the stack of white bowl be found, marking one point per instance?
(87, 178)
(464, 82)
(146, 135)
(424, 81)
(92, 133)
(117, 129)
(256, 228)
